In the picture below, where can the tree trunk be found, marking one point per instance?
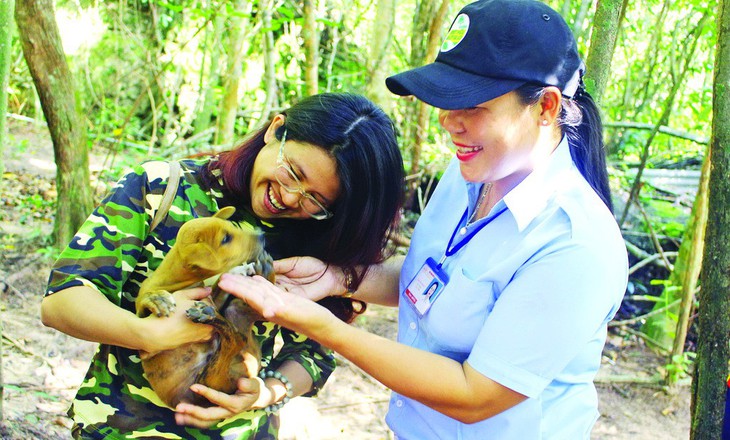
(429, 22)
(378, 68)
(695, 237)
(606, 25)
(682, 282)
(209, 81)
(424, 110)
(637, 93)
(6, 22)
(713, 351)
(648, 86)
(310, 34)
(565, 9)
(47, 64)
(335, 38)
(580, 17)
(234, 70)
(270, 84)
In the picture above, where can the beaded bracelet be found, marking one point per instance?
(349, 282)
(274, 407)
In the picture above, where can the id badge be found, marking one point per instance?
(426, 286)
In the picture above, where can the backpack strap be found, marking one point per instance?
(168, 196)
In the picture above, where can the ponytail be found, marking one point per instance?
(580, 120)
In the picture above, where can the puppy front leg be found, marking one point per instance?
(156, 302)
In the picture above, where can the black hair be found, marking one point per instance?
(361, 138)
(580, 121)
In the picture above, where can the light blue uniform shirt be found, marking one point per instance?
(526, 304)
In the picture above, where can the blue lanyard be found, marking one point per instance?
(451, 250)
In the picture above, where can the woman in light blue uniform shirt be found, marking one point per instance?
(519, 235)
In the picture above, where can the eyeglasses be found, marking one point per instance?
(291, 184)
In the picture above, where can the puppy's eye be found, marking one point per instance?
(226, 239)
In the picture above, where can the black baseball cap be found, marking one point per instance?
(494, 47)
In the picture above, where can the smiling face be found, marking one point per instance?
(495, 141)
(312, 165)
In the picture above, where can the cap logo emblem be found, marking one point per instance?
(456, 33)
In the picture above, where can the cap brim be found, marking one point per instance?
(443, 86)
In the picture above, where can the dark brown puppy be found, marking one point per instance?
(205, 247)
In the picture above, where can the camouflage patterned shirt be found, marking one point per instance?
(113, 252)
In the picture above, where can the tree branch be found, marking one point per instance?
(703, 140)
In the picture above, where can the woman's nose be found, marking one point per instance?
(450, 120)
(290, 199)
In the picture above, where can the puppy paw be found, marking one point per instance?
(159, 303)
(201, 312)
(264, 265)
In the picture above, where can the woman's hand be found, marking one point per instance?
(228, 405)
(308, 277)
(276, 305)
(165, 333)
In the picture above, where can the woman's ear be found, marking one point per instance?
(550, 105)
(277, 122)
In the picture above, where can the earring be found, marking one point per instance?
(545, 122)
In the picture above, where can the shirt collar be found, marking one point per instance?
(532, 195)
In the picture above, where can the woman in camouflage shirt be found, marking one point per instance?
(323, 178)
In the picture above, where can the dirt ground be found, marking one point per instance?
(42, 368)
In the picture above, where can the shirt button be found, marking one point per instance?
(399, 403)
(412, 325)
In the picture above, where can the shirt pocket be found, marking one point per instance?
(457, 316)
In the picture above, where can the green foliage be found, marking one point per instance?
(22, 97)
(665, 215)
(37, 202)
(145, 72)
(667, 287)
(20, 147)
(50, 252)
(645, 64)
(43, 394)
(680, 366)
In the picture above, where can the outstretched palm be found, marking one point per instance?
(307, 277)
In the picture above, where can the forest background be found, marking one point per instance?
(127, 81)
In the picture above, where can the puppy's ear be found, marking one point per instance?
(225, 213)
(200, 257)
